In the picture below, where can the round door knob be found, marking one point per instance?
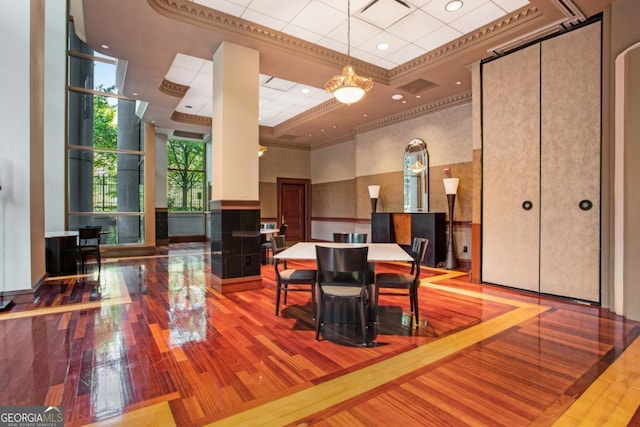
(585, 205)
(527, 205)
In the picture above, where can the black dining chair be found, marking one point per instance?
(266, 248)
(350, 237)
(89, 246)
(301, 280)
(343, 275)
(402, 281)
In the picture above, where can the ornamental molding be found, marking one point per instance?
(173, 89)
(192, 119)
(459, 99)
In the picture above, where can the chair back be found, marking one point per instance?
(283, 229)
(342, 266)
(418, 251)
(350, 237)
(89, 236)
(278, 243)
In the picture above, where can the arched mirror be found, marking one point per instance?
(416, 176)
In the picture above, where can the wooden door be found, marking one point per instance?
(511, 168)
(293, 202)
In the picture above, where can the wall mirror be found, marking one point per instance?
(416, 176)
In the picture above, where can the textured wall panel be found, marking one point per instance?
(334, 199)
(511, 141)
(570, 159)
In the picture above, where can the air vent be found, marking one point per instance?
(417, 86)
(190, 135)
(384, 13)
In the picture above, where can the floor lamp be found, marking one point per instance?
(451, 188)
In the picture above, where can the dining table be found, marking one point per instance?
(346, 316)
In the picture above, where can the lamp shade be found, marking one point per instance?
(374, 191)
(451, 185)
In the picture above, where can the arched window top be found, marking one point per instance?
(416, 176)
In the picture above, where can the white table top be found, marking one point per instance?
(377, 251)
(66, 233)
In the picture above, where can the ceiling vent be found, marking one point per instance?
(417, 86)
(384, 13)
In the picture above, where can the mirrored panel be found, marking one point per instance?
(416, 176)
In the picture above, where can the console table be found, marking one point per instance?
(402, 227)
(60, 246)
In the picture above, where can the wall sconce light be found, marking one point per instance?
(261, 150)
(374, 192)
(451, 188)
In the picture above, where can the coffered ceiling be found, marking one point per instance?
(167, 47)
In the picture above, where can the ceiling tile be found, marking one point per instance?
(282, 10)
(180, 75)
(360, 32)
(415, 26)
(267, 21)
(223, 6)
(438, 38)
(436, 9)
(319, 18)
(341, 5)
(511, 5)
(301, 33)
(405, 54)
(479, 17)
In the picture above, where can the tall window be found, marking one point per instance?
(105, 152)
(186, 175)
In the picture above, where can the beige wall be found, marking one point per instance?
(279, 162)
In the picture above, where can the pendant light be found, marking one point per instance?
(348, 87)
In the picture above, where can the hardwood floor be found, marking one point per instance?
(149, 342)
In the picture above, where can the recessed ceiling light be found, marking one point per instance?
(383, 46)
(397, 97)
(321, 130)
(418, 97)
(404, 101)
(305, 90)
(135, 93)
(334, 126)
(104, 46)
(364, 115)
(453, 5)
(458, 82)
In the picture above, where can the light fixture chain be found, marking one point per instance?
(348, 31)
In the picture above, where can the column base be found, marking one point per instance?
(235, 284)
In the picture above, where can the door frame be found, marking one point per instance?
(307, 202)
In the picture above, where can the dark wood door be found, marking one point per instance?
(293, 211)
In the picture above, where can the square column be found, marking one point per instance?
(235, 205)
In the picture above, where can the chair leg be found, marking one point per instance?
(363, 322)
(278, 298)
(314, 314)
(286, 288)
(98, 261)
(415, 305)
(319, 316)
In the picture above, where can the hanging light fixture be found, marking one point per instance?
(348, 87)
(261, 150)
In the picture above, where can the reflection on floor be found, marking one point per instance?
(150, 343)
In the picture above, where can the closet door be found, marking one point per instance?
(570, 164)
(511, 169)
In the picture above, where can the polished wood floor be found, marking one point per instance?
(150, 343)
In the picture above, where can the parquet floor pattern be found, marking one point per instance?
(149, 342)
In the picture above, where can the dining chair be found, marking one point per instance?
(410, 281)
(343, 275)
(350, 237)
(89, 246)
(302, 280)
(266, 247)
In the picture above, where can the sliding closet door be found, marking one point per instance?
(511, 167)
(570, 164)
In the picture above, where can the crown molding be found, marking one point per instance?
(281, 144)
(458, 99)
(203, 16)
(325, 107)
(192, 119)
(341, 140)
(173, 89)
(515, 19)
